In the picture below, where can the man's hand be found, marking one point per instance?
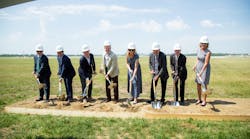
(152, 72)
(106, 76)
(60, 80)
(194, 68)
(156, 77)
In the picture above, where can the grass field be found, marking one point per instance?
(230, 78)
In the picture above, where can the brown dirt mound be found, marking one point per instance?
(216, 109)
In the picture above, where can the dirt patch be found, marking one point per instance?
(216, 109)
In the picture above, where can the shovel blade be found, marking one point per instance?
(158, 105)
(175, 103)
(154, 104)
(128, 101)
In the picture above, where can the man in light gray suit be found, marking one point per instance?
(111, 70)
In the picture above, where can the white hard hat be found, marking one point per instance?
(155, 46)
(107, 43)
(59, 48)
(131, 45)
(204, 39)
(177, 46)
(39, 47)
(85, 48)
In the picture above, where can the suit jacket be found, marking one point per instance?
(163, 72)
(44, 70)
(182, 70)
(85, 69)
(66, 69)
(112, 65)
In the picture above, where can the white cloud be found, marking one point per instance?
(73, 9)
(209, 24)
(177, 24)
(147, 26)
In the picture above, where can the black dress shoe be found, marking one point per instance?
(40, 99)
(107, 100)
(182, 103)
(149, 101)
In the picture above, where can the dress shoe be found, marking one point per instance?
(39, 99)
(107, 100)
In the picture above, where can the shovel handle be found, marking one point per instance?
(37, 80)
(154, 88)
(60, 88)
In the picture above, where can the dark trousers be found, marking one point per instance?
(68, 86)
(116, 93)
(83, 82)
(182, 89)
(46, 90)
(163, 89)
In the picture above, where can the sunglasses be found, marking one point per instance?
(131, 50)
(38, 51)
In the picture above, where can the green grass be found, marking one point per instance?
(229, 78)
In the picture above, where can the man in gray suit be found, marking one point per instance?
(42, 72)
(158, 69)
(110, 68)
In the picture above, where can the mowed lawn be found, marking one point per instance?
(230, 78)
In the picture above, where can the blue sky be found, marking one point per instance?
(72, 23)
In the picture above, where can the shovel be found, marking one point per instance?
(111, 84)
(175, 103)
(40, 85)
(155, 104)
(130, 89)
(86, 89)
(60, 95)
(204, 89)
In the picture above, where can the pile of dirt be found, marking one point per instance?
(216, 109)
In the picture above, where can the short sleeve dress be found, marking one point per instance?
(201, 56)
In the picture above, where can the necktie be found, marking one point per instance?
(37, 63)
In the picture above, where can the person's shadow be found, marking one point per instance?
(219, 102)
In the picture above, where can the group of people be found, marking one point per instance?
(110, 70)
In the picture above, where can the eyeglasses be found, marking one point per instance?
(131, 50)
(39, 51)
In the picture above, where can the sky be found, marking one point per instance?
(72, 23)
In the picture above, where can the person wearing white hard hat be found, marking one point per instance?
(66, 71)
(134, 72)
(202, 68)
(85, 70)
(110, 68)
(158, 69)
(179, 71)
(42, 72)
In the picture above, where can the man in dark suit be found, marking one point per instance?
(179, 71)
(158, 69)
(86, 69)
(42, 72)
(66, 72)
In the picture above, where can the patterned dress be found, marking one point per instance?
(201, 56)
(137, 82)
